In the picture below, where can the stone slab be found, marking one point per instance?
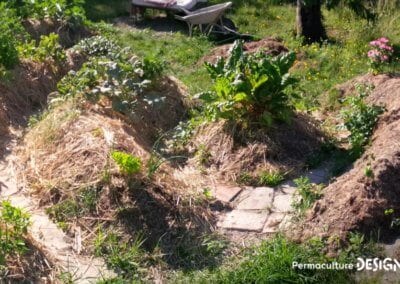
(273, 221)
(287, 188)
(286, 222)
(244, 220)
(259, 198)
(226, 193)
(282, 203)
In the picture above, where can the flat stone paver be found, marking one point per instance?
(259, 198)
(287, 188)
(226, 193)
(273, 221)
(244, 220)
(282, 203)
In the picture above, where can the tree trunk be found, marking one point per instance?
(309, 21)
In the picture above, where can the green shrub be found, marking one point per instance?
(360, 119)
(249, 87)
(13, 227)
(127, 163)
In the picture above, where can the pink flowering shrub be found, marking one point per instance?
(381, 53)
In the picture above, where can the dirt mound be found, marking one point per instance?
(69, 152)
(270, 45)
(70, 147)
(27, 91)
(68, 35)
(233, 151)
(357, 201)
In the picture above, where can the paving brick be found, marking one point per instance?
(244, 220)
(226, 193)
(282, 203)
(259, 198)
(273, 221)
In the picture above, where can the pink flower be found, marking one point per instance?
(374, 43)
(374, 53)
(383, 40)
(384, 57)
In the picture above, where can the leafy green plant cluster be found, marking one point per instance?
(11, 34)
(116, 74)
(13, 227)
(249, 87)
(127, 163)
(48, 48)
(68, 11)
(98, 46)
(360, 118)
(307, 194)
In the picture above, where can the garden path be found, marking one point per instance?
(62, 251)
(262, 209)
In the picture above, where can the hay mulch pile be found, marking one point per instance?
(355, 201)
(283, 147)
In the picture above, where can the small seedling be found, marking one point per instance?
(368, 172)
(127, 163)
(207, 193)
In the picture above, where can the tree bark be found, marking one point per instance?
(309, 21)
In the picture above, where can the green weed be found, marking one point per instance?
(360, 119)
(307, 194)
(270, 178)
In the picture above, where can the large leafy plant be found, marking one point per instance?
(249, 87)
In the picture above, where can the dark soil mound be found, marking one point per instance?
(355, 201)
(270, 45)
